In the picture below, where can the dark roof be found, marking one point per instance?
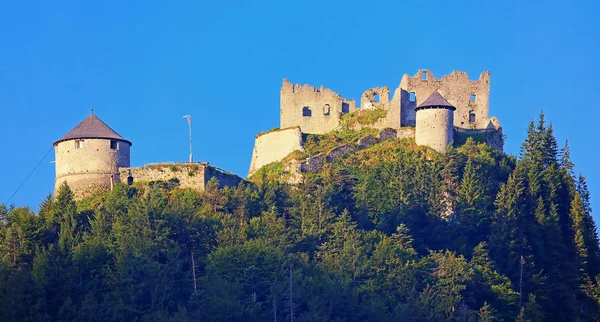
(92, 128)
(435, 100)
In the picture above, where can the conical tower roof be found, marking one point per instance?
(435, 100)
(92, 128)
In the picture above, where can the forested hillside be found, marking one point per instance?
(395, 232)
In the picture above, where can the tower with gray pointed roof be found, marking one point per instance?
(88, 158)
(435, 122)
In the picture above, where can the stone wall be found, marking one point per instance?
(493, 137)
(315, 110)
(470, 97)
(406, 133)
(466, 95)
(274, 146)
(379, 97)
(434, 128)
(194, 175)
(91, 168)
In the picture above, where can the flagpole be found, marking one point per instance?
(189, 119)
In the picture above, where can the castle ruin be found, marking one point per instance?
(436, 108)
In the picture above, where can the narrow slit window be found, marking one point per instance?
(306, 111)
(413, 97)
(79, 144)
(326, 109)
(114, 145)
(471, 117)
(424, 75)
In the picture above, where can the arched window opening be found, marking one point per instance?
(473, 97)
(326, 109)
(424, 75)
(306, 111)
(413, 97)
(376, 98)
(471, 117)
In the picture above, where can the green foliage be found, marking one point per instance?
(394, 232)
(322, 143)
(192, 170)
(362, 117)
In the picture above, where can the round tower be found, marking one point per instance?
(88, 158)
(434, 122)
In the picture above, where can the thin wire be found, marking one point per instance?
(29, 175)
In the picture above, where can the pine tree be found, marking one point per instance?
(588, 228)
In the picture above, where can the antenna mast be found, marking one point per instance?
(189, 119)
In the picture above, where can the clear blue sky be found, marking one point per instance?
(145, 64)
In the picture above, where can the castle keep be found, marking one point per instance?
(429, 109)
(92, 158)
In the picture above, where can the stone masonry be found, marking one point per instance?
(188, 175)
(318, 110)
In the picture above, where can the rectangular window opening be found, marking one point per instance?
(79, 144)
(413, 97)
(114, 145)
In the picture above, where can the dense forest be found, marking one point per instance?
(395, 232)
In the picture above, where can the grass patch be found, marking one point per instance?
(460, 138)
(193, 170)
(362, 117)
(321, 143)
(269, 173)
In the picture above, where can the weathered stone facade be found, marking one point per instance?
(319, 110)
(470, 97)
(313, 109)
(89, 165)
(188, 175)
(274, 146)
(434, 128)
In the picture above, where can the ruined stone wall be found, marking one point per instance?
(434, 128)
(315, 110)
(274, 146)
(456, 88)
(194, 175)
(494, 137)
(379, 97)
(89, 169)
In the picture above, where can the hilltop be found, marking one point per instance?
(386, 231)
